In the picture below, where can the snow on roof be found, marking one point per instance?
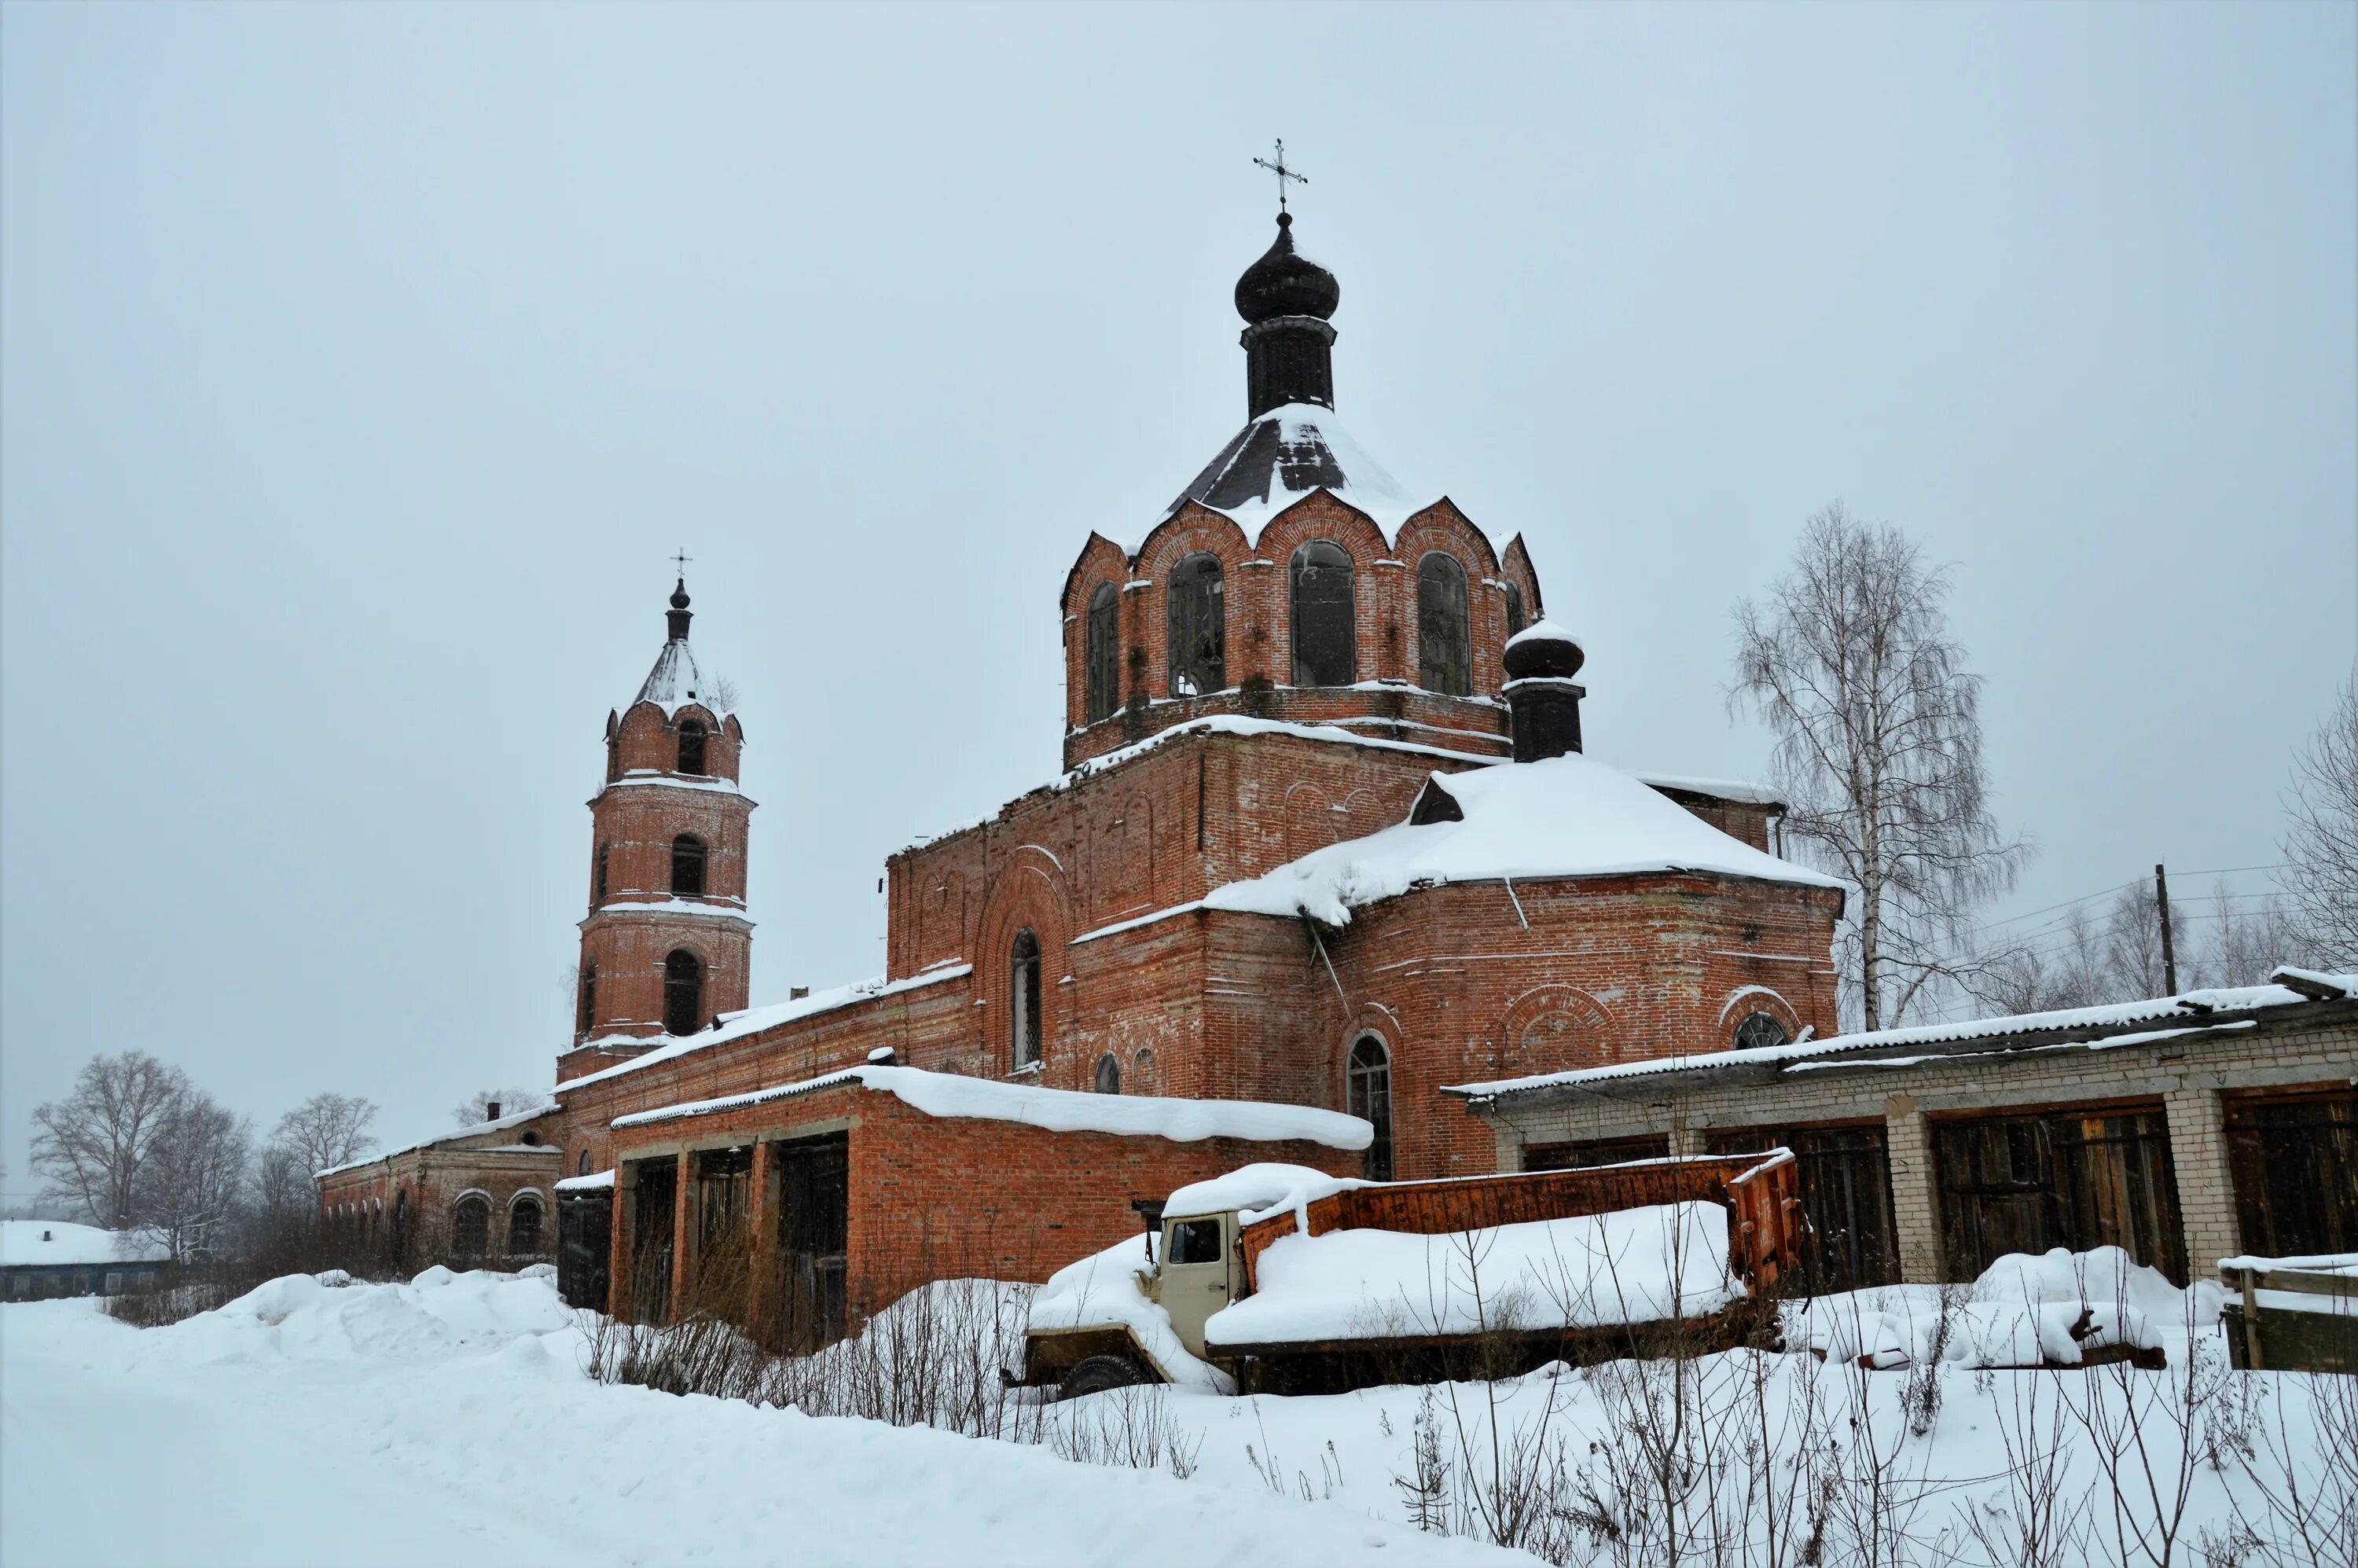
(1567, 816)
(475, 1129)
(641, 778)
(1258, 1191)
(754, 1020)
(587, 1184)
(1289, 453)
(1544, 629)
(28, 1243)
(674, 683)
(690, 906)
(1056, 1110)
(2192, 1007)
(1718, 789)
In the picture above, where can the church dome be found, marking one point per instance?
(1285, 282)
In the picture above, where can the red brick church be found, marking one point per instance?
(1327, 840)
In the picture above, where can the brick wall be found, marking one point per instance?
(1258, 632)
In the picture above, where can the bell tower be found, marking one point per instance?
(665, 948)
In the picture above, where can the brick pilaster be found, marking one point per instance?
(1915, 1202)
(2206, 1188)
(683, 1241)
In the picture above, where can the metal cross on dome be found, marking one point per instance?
(681, 561)
(1282, 173)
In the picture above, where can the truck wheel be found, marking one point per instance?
(1096, 1374)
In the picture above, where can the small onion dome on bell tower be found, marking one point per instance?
(1285, 298)
(675, 680)
(1541, 697)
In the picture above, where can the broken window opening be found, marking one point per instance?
(1370, 1098)
(599, 895)
(1101, 656)
(1023, 995)
(1325, 622)
(688, 858)
(683, 992)
(814, 1237)
(1445, 650)
(1198, 624)
(588, 1018)
(1515, 622)
(691, 746)
(1108, 1079)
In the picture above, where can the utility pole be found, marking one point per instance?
(2168, 953)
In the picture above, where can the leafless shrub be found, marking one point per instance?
(2320, 847)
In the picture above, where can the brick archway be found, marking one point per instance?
(1031, 892)
(1745, 1000)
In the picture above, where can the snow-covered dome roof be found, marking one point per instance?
(1290, 452)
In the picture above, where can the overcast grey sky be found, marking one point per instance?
(362, 365)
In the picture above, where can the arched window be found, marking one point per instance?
(1444, 652)
(471, 1226)
(691, 746)
(587, 1020)
(1759, 1028)
(1109, 1080)
(688, 865)
(1325, 626)
(523, 1226)
(582, 1166)
(683, 992)
(1101, 654)
(599, 895)
(1199, 629)
(1515, 617)
(1023, 998)
(1370, 1096)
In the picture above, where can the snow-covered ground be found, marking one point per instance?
(451, 1421)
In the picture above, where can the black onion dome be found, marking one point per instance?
(1285, 282)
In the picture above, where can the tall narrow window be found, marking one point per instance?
(1444, 653)
(691, 746)
(599, 896)
(1199, 641)
(589, 1019)
(471, 1226)
(1370, 1087)
(1515, 619)
(524, 1227)
(683, 992)
(688, 865)
(1325, 631)
(1108, 1081)
(1102, 653)
(1023, 998)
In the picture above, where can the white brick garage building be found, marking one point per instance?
(2185, 1129)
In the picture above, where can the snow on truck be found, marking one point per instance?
(1283, 1278)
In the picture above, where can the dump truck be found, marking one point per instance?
(1280, 1278)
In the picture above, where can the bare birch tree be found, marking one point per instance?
(2320, 850)
(93, 1146)
(1851, 662)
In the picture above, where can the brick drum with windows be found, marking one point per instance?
(1326, 837)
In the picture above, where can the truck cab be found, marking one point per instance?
(1197, 1273)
